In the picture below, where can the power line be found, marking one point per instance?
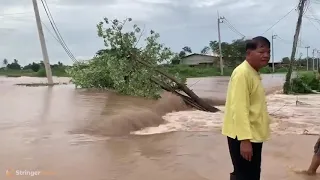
(233, 28)
(287, 42)
(56, 31)
(280, 20)
(313, 15)
(313, 24)
(50, 32)
(307, 17)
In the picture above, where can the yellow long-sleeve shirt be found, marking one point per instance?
(246, 115)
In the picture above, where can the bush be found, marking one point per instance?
(266, 70)
(41, 72)
(282, 70)
(91, 75)
(306, 82)
(59, 72)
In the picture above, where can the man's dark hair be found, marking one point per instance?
(257, 42)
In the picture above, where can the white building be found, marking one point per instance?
(200, 59)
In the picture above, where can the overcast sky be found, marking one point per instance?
(180, 23)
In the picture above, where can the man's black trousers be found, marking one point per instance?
(243, 169)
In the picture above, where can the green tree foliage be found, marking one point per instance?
(15, 65)
(233, 53)
(178, 56)
(176, 59)
(187, 49)
(33, 66)
(116, 67)
(306, 82)
(32, 69)
(286, 60)
(5, 62)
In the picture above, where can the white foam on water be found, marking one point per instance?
(84, 138)
(186, 121)
(290, 115)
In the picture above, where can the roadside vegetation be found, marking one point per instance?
(305, 83)
(14, 69)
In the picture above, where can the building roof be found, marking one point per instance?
(197, 54)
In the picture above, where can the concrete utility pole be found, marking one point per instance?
(43, 43)
(313, 52)
(318, 60)
(287, 85)
(220, 20)
(272, 50)
(307, 57)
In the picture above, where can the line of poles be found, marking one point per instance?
(315, 59)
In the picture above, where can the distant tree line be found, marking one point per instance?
(14, 65)
(233, 53)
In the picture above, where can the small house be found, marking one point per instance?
(200, 59)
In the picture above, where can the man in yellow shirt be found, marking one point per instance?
(246, 119)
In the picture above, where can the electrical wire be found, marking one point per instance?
(313, 24)
(56, 31)
(312, 18)
(51, 33)
(280, 19)
(286, 41)
(233, 28)
(313, 15)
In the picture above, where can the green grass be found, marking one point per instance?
(188, 72)
(16, 73)
(30, 73)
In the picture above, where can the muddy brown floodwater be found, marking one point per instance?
(67, 134)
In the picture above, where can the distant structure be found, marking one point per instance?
(200, 59)
(276, 64)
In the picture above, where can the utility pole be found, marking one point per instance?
(220, 20)
(308, 57)
(313, 52)
(318, 60)
(42, 43)
(272, 50)
(287, 85)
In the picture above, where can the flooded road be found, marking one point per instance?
(67, 133)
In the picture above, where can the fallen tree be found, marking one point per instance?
(131, 69)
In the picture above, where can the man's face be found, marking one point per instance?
(260, 56)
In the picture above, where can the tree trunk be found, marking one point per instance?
(287, 84)
(184, 88)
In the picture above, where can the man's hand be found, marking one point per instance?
(246, 149)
